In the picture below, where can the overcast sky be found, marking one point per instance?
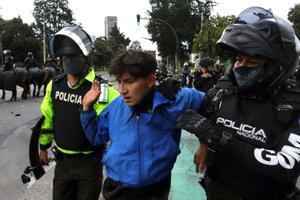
(91, 13)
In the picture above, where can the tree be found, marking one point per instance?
(118, 40)
(20, 39)
(184, 16)
(56, 14)
(103, 52)
(294, 17)
(210, 32)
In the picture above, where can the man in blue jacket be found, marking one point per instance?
(140, 126)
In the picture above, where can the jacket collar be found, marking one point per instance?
(158, 100)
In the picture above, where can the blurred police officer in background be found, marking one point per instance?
(29, 61)
(8, 60)
(205, 77)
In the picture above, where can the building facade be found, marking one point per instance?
(110, 22)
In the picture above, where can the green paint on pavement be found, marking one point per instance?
(185, 184)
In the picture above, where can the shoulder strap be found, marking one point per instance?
(59, 77)
(291, 95)
(287, 104)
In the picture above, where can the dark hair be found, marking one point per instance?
(137, 63)
(206, 62)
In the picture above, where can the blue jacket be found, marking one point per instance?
(143, 147)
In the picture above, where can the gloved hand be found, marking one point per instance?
(169, 88)
(203, 129)
(196, 124)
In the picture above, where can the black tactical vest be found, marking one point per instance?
(254, 122)
(68, 132)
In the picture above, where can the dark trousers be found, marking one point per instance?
(77, 177)
(216, 191)
(113, 190)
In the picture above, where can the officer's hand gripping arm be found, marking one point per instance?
(203, 129)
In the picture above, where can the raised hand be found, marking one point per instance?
(91, 96)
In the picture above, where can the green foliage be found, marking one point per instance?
(294, 17)
(185, 18)
(57, 15)
(20, 39)
(210, 32)
(118, 40)
(103, 53)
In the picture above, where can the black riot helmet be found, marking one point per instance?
(257, 32)
(70, 40)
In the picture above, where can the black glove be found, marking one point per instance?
(196, 124)
(169, 88)
(203, 129)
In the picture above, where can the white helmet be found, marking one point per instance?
(69, 40)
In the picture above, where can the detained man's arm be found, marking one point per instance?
(91, 124)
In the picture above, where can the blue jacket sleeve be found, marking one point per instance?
(94, 127)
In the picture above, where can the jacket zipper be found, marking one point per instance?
(139, 147)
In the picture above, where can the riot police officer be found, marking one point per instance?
(8, 61)
(29, 61)
(52, 62)
(78, 173)
(250, 120)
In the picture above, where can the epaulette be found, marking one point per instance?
(59, 77)
(291, 95)
(216, 94)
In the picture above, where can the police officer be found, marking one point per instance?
(78, 173)
(205, 78)
(8, 61)
(186, 76)
(250, 121)
(29, 61)
(52, 62)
